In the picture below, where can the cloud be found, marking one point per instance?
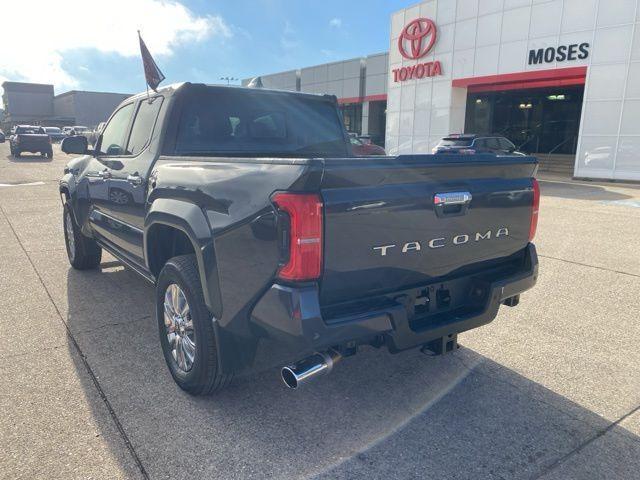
(288, 40)
(335, 22)
(40, 41)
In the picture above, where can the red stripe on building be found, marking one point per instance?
(557, 77)
(370, 98)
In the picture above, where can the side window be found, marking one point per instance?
(143, 125)
(480, 143)
(493, 143)
(114, 134)
(506, 145)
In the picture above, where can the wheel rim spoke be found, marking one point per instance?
(189, 349)
(71, 241)
(179, 327)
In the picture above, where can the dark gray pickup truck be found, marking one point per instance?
(269, 243)
(32, 139)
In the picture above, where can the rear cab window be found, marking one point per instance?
(223, 122)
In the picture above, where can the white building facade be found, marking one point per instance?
(563, 75)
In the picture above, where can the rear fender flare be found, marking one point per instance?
(190, 219)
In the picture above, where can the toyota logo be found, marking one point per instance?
(420, 35)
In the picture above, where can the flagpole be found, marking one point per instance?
(152, 74)
(145, 81)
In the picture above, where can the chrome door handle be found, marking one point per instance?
(135, 180)
(104, 174)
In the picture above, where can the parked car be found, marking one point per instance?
(269, 244)
(55, 134)
(79, 130)
(67, 130)
(361, 149)
(2, 136)
(28, 138)
(469, 144)
(93, 137)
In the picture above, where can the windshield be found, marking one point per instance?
(241, 123)
(29, 130)
(80, 129)
(52, 129)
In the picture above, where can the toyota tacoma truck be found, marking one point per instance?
(32, 139)
(270, 244)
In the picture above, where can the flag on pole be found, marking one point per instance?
(151, 71)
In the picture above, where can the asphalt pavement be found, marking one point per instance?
(550, 389)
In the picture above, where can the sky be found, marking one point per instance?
(87, 45)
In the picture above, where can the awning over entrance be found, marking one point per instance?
(557, 77)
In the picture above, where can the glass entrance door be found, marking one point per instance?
(544, 120)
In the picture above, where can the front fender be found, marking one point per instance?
(188, 218)
(67, 185)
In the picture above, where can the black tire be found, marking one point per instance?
(204, 376)
(49, 154)
(83, 253)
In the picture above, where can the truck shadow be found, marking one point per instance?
(29, 159)
(400, 416)
(580, 191)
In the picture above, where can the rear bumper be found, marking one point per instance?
(292, 316)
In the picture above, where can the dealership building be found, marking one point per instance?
(36, 104)
(559, 78)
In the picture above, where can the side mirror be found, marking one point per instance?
(77, 145)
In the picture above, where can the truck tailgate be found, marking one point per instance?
(33, 141)
(393, 223)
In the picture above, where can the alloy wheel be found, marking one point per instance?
(71, 239)
(179, 327)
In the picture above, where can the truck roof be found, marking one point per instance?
(175, 87)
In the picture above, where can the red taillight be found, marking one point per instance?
(305, 235)
(535, 209)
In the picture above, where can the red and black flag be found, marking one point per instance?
(151, 71)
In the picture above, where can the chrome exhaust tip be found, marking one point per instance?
(320, 363)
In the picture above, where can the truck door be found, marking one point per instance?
(108, 151)
(128, 181)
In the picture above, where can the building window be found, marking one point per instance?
(544, 120)
(377, 121)
(352, 117)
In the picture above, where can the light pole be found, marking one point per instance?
(229, 79)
